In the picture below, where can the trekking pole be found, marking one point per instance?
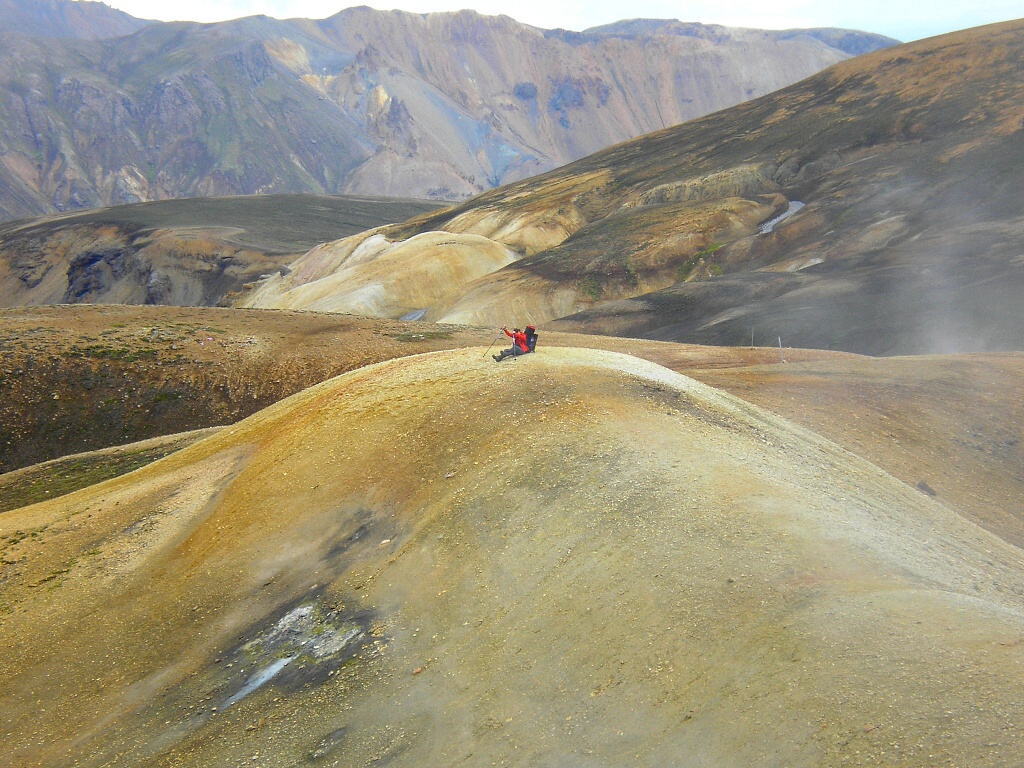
(495, 341)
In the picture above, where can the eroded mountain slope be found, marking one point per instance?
(441, 105)
(898, 174)
(408, 564)
(182, 252)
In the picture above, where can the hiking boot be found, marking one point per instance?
(496, 358)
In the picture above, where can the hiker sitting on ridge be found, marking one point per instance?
(520, 345)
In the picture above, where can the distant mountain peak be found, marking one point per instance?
(82, 19)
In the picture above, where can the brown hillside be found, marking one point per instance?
(176, 252)
(80, 378)
(87, 377)
(909, 238)
(952, 424)
(398, 566)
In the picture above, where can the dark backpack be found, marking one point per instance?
(531, 337)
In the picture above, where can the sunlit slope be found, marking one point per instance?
(369, 275)
(576, 558)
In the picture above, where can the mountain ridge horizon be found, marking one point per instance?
(387, 103)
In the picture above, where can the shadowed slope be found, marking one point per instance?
(57, 477)
(184, 252)
(408, 564)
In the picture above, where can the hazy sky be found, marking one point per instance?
(903, 19)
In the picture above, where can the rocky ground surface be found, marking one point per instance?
(75, 379)
(948, 425)
(416, 564)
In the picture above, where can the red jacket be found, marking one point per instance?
(519, 339)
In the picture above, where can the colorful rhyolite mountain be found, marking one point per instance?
(876, 207)
(440, 106)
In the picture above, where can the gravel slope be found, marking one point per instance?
(579, 558)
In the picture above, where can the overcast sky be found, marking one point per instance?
(902, 19)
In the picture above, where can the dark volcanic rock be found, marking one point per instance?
(185, 252)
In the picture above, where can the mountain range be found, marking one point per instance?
(875, 207)
(872, 208)
(60, 19)
(98, 108)
(251, 535)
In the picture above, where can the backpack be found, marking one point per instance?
(531, 337)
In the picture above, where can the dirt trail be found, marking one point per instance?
(576, 558)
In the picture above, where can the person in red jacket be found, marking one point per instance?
(520, 346)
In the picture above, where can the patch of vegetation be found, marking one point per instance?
(106, 352)
(56, 576)
(687, 267)
(68, 476)
(16, 537)
(708, 251)
(634, 278)
(424, 336)
(591, 287)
